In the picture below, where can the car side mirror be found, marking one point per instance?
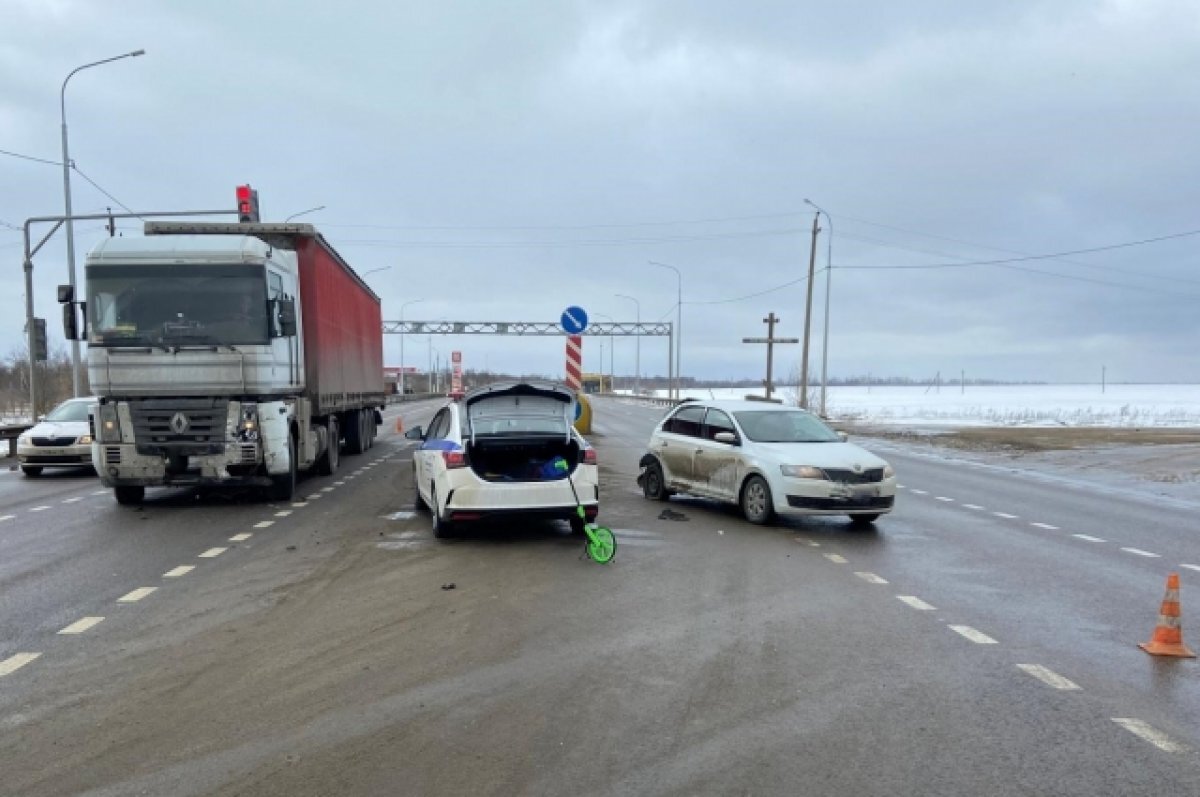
(729, 438)
(843, 436)
(287, 317)
(415, 433)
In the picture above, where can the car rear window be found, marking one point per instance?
(784, 426)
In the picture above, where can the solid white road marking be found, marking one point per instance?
(1087, 537)
(182, 570)
(920, 492)
(943, 498)
(871, 578)
(1046, 526)
(263, 524)
(1005, 515)
(915, 602)
(1149, 734)
(1191, 567)
(100, 492)
(211, 552)
(16, 662)
(79, 626)
(136, 595)
(1140, 552)
(245, 535)
(1048, 677)
(836, 558)
(6, 517)
(72, 500)
(974, 506)
(39, 509)
(978, 637)
(283, 513)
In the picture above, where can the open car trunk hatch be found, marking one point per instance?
(521, 432)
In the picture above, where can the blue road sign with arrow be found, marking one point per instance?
(574, 320)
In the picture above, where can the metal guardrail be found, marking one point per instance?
(397, 398)
(11, 432)
(653, 401)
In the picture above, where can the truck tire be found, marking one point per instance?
(354, 432)
(369, 418)
(328, 463)
(283, 486)
(31, 470)
(129, 496)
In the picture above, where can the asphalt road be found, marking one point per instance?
(980, 640)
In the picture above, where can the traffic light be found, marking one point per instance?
(40, 350)
(247, 201)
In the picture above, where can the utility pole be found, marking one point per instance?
(1103, 377)
(771, 320)
(812, 265)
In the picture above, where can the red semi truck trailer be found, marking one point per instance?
(228, 354)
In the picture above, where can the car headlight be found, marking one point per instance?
(84, 440)
(24, 440)
(802, 472)
(888, 471)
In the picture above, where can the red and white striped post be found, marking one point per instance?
(575, 362)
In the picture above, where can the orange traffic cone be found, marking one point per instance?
(1168, 634)
(399, 425)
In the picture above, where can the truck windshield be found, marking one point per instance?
(176, 305)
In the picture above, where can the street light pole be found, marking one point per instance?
(66, 163)
(612, 347)
(678, 323)
(637, 368)
(303, 212)
(828, 281)
(406, 304)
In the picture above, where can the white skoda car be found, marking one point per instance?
(505, 450)
(767, 458)
(62, 439)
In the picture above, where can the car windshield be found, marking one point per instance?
(784, 426)
(69, 411)
(176, 305)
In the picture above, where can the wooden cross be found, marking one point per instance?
(771, 320)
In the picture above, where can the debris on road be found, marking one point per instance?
(668, 514)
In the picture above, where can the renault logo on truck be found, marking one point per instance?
(180, 423)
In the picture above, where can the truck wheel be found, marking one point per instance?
(283, 486)
(369, 417)
(129, 496)
(354, 432)
(31, 470)
(328, 463)
(861, 521)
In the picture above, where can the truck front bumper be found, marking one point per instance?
(120, 464)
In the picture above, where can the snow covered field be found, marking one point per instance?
(1002, 405)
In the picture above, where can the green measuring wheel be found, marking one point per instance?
(601, 544)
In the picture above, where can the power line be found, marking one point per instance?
(101, 190)
(626, 225)
(586, 242)
(798, 281)
(29, 158)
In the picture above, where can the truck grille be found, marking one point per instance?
(249, 454)
(112, 455)
(54, 441)
(847, 476)
(180, 423)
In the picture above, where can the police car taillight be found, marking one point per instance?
(589, 456)
(454, 459)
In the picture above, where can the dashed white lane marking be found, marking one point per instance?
(328, 489)
(245, 535)
(1048, 676)
(920, 492)
(6, 517)
(100, 492)
(1046, 526)
(943, 498)
(283, 513)
(1005, 515)
(263, 524)
(315, 496)
(16, 662)
(915, 602)
(339, 483)
(1155, 737)
(182, 570)
(300, 504)
(39, 509)
(1191, 567)
(79, 626)
(974, 506)
(1140, 552)
(871, 578)
(901, 487)
(136, 595)
(211, 552)
(1087, 537)
(72, 500)
(978, 637)
(809, 543)
(836, 558)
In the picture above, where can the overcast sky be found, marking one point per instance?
(505, 160)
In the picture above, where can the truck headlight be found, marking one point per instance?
(248, 425)
(108, 425)
(802, 472)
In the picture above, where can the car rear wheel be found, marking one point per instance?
(441, 528)
(418, 501)
(863, 520)
(129, 495)
(31, 470)
(757, 504)
(653, 486)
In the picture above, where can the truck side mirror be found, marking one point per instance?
(287, 317)
(70, 321)
(66, 293)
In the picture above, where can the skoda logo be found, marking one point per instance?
(180, 423)
(857, 468)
